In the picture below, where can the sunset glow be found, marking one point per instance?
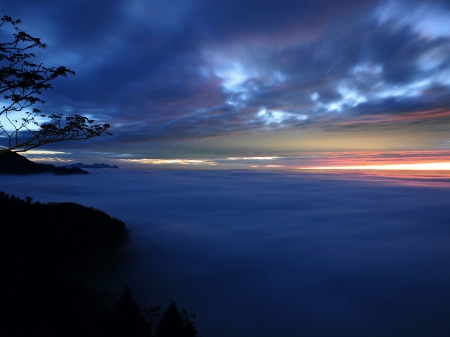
(417, 166)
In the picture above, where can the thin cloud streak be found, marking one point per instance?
(170, 161)
(416, 167)
(306, 160)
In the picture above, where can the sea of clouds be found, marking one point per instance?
(276, 253)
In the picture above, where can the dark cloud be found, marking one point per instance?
(199, 69)
(259, 18)
(277, 253)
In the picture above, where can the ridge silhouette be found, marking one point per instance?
(14, 163)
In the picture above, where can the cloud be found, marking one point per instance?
(264, 253)
(171, 161)
(158, 71)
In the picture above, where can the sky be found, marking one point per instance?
(257, 253)
(203, 80)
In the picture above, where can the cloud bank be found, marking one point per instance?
(286, 254)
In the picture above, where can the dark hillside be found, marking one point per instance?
(51, 255)
(14, 163)
(47, 250)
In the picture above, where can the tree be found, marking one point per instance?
(126, 320)
(175, 324)
(21, 83)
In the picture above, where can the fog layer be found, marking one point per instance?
(276, 254)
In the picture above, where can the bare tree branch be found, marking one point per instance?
(21, 83)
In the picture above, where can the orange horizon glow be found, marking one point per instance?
(443, 166)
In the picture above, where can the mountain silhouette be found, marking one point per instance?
(96, 165)
(14, 163)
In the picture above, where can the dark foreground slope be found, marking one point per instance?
(51, 255)
(46, 253)
(13, 163)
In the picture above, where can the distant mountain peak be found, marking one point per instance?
(96, 165)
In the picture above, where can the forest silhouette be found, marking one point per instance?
(49, 252)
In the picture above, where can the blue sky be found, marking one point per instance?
(217, 79)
